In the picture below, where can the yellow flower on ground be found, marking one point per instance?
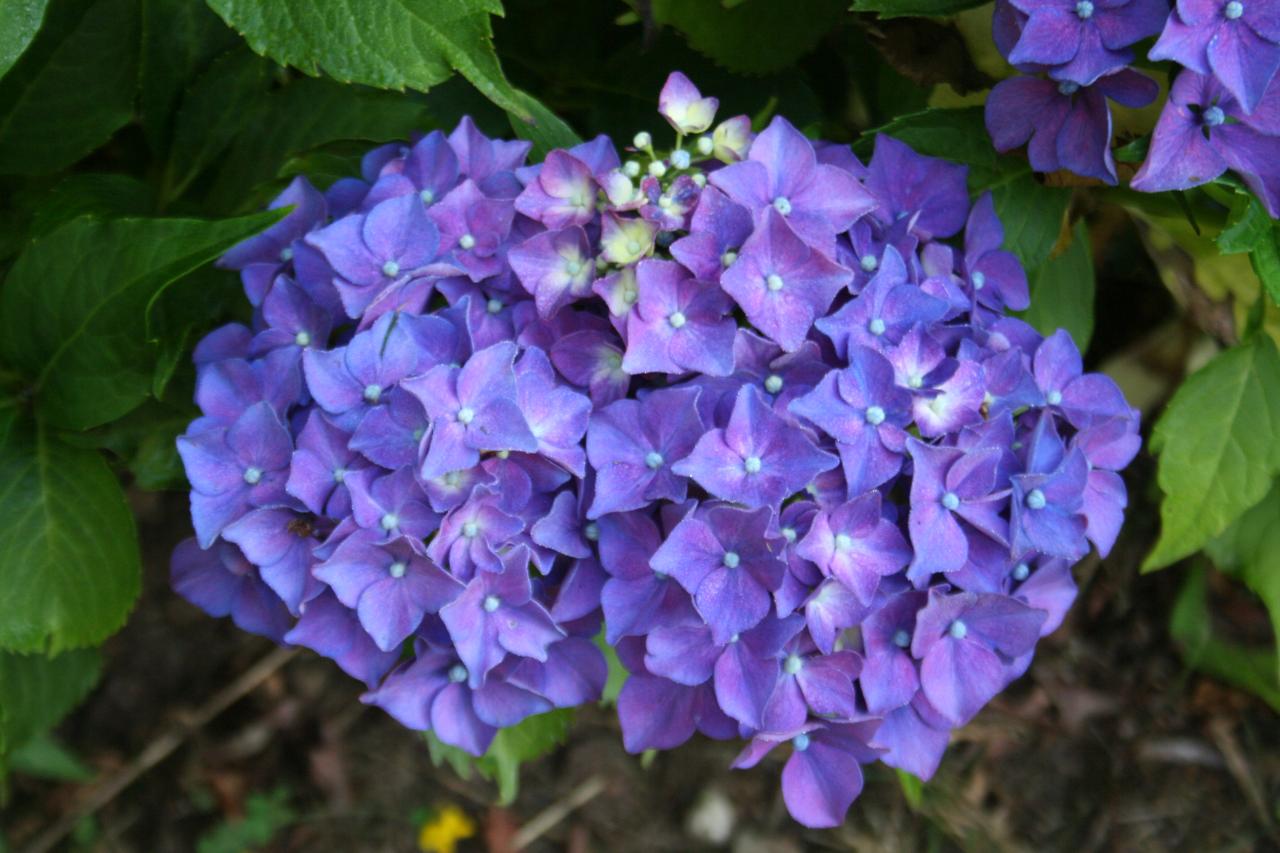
(445, 829)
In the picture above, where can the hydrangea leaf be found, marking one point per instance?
(529, 739)
(145, 442)
(912, 789)
(76, 303)
(180, 40)
(22, 21)
(390, 44)
(1247, 225)
(617, 672)
(1031, 212)
(1250, 549)
(546, 131)
(299, 117)
(1250, 229)
(212, 113)
(43, 757)
(1191, 626)
(36, 691)
(1062, 291)
(71, 569)
(89, 193)
(71, 91)
(903, 8)
(1265, 260)
(732, 35)
(523, 742)
(265, 815)
(1219, 446)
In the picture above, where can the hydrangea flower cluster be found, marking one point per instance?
(1223, 110)
(748, 408)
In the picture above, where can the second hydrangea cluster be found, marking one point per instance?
(747, 410)
(1223, 110)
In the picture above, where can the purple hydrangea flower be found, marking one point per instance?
(724, 559)
(635, 598)
(965, 643)
(863, 409)
(329, 629)
(390, 586)
(395, 241)
(1068, 126)
(782, 173)
(233, 469)
(1083, 39)
(429, 170)
(475, 227)
(926, 194)
(885, 309)
(823, 776)
(758, 459)
(562, 195)
(222, 582)
(472, 408)
(679, 324)
(456, 443)
(856, 544)
(496, 615)
(683, 106)
(261, 257)
(781, 283)
(1203, 131)
(717, 231)
(1235, 41)
(1048, 500)
(346, 381)
(955, 495)
(633, 445)
(472, 531)
(434, 693)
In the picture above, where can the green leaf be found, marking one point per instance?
(1250, 229)
(529, 739)
(1265, 260)
(212, 113)
(302, 116)
(90, 193)
(912, 789)
(43, 757)
(1219, 446)
(617, 672)
(264, 816)
(754, 36)
(1062, 291)
(1134, 151)
(22, 20)
(903, 8)
(390, 44)
(61, 102)
(71, 569)
(1032, 214)
(1246, 227)
(180, 38)
(144, 443)
(1191, 625)
(37, 691)
(1250, 549)
(74, 309)
(546, 131)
